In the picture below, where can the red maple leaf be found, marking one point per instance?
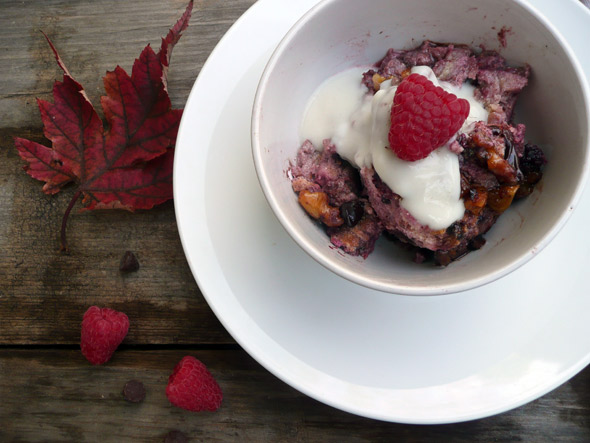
(128, 164)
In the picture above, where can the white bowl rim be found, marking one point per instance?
(427, 290)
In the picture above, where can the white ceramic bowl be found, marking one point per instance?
(339, 34)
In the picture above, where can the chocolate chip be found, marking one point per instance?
(129, 262)
(352, 212)
(134, 391)
(175, 437)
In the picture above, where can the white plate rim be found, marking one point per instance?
(198, 248)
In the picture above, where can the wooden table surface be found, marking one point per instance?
(48, 391)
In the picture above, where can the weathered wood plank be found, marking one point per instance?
(96, 36)
(55, 395)
(43, 293)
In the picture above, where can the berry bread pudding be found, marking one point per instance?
(421, 148)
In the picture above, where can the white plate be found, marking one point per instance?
(391, 357)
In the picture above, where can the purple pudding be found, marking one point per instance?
(495, 166)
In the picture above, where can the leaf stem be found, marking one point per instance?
(64, 220)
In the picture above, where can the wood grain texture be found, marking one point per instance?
(55, 395)
(48, 391)
(96, 36)
(43, 292)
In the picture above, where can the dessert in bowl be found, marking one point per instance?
(338, 36)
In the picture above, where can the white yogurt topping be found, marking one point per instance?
(358, 124)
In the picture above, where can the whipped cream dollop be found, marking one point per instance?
(358, 124)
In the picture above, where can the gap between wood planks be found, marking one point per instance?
(132, 347)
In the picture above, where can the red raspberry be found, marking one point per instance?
(423, 117)
(103, 330)
(192, 387)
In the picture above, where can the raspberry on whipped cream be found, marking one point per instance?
(469, 168)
